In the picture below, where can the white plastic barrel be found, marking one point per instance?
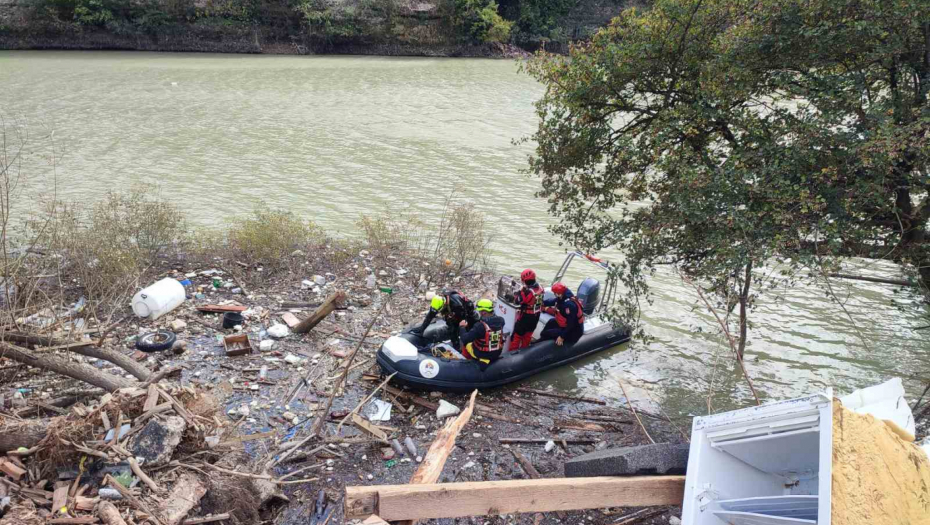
(158, 299)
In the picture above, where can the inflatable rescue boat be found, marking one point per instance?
(428, 361)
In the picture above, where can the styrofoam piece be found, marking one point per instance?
(798, 507)
(885, 401)
(749, 518)
(891, 389)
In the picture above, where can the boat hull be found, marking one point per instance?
(426, 372)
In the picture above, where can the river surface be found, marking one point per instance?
(334, 137)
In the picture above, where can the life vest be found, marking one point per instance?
(560, 316)
(456, 308)
(536, 306)
(489, 345)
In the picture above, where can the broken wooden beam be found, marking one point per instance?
(221, 308)
(186, 494)
(543, 441)
(482, 498)
(320, 313)
(110, 514)
(561, 396)
(208, 519)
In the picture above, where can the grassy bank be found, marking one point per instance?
(105, 250)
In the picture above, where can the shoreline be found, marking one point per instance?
(245, 43)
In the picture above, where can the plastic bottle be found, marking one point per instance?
(158, 299)
(263, 372)
(370, 281)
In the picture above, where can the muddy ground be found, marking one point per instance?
(274, 409)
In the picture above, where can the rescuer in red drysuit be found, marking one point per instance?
(529, 301)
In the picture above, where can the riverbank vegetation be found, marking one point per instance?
(771, 141)
(307, 26)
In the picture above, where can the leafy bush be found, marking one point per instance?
(458, 243)
(106, 246)
(269, 237)
(480, 20)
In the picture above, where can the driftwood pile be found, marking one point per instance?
(135, 455)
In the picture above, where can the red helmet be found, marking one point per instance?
(559, 288)
(528, 275)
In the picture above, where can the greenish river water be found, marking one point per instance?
(334, 137)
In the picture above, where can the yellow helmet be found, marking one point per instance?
(437, 303)
(485, 305)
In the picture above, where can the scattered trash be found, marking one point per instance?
(231, 319)
(236, 345)
(278, 331)
(446, 409)
(398, 449)
(156, 341)
(378, 410)
(411, 447)
(550, 445)
(178, 324)
(266, 345)
(158, 299)
(292, 359)
(122, 432)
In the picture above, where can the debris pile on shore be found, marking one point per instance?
(273, 431)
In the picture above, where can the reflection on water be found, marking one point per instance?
(333, 137)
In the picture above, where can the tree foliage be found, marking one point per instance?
(480, 19)
(719, 135)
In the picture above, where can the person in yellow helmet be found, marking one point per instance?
(485, 341)
(454, 308)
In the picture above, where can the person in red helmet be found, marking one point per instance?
(529, 299)
(567, 326)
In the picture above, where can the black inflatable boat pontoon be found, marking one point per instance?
(411, 356)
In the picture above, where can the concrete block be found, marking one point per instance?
(662, 458)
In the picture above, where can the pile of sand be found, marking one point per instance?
(878, 477)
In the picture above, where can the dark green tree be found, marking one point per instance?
(718, 136)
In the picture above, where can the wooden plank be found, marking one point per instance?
(561, 396)
(574, 424)
(221, 308)
(363, 424)
(531, 472)
(152, 400)
(438, 453)
(60, 497)
(482, 498)
(84, 520)
(290, 319)
(543, 441)
(11, 469)
(208, 519)
(374, 520)
(320, 313)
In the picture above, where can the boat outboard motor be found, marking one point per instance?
(589, 292)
